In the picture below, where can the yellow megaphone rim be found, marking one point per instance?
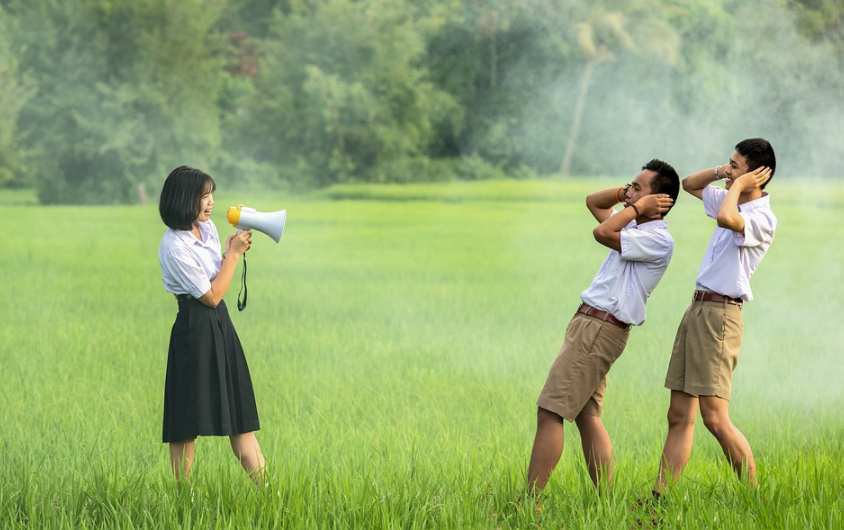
(233, 215)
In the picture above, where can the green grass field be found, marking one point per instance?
(397, 348)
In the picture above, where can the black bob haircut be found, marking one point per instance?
(665, 181)
(181, 196)
(758, 152)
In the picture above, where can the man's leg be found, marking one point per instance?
(547, 448)
(716, 417)
(678, 444)
(597, 447)
(181, 458)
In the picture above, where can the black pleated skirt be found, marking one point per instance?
(208, 390)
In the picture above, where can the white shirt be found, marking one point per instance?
(732, 257)
(626, 279)
(188, 265)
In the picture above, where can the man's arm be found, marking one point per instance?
(695, 183)
(728, 216)
(608, 233)
(600, 203)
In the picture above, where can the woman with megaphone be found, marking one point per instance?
(208, 389)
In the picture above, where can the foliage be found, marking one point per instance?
(100, 99)
(498, 60)
(341, 96)
(821, 20)
(15, 90)
(126, 91)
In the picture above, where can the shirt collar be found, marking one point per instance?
(186, 237)
(763, 201)
(190, 239)
(658, 224)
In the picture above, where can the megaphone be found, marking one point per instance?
(245, 218)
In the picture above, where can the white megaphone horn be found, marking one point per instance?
(245, 218)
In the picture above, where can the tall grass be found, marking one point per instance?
(397, 348)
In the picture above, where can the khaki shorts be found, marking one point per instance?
(706, 350)
(578, 377)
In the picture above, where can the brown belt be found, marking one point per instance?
(706, 296)
(602, 315)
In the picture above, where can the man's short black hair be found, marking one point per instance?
(181, 196)
(758, 152)
(665, 181)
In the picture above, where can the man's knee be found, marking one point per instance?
(678, 416)
(716, 422)
(544, 416)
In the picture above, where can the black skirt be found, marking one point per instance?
(208, 390)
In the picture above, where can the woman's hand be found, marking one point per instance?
(236, 245)
(239, 243)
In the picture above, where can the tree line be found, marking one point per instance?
(99, 99)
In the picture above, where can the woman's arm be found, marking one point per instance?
(236, 245)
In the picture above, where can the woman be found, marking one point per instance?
(208, 390)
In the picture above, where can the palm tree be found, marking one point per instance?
(601, 38)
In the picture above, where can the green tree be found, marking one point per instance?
(127, 91)
(821, 20)
(14, 93)
(340, 95)
(252, 17)
(498, 60)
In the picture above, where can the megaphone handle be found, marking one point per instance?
(239, 230)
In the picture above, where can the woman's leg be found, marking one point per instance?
(181, 458)
(246, 448)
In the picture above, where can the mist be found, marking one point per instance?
(770, 83)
